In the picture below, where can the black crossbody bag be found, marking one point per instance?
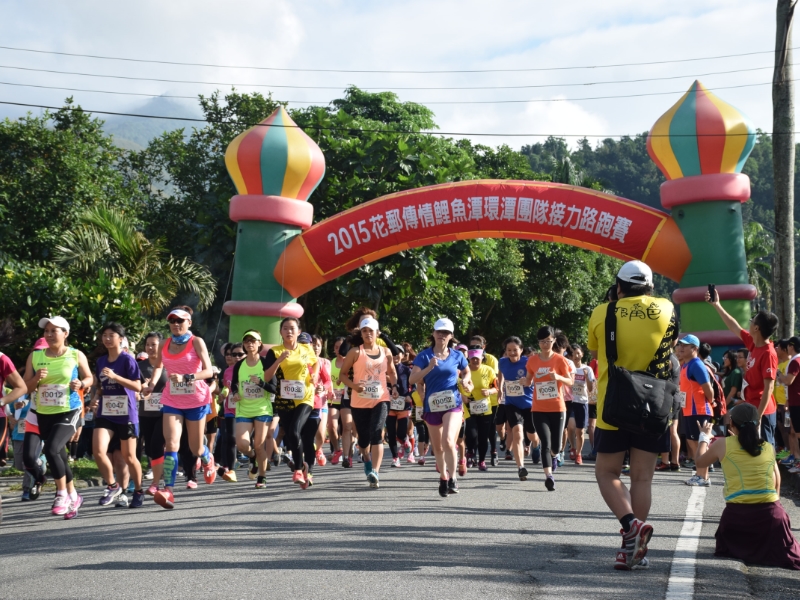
(635, 401)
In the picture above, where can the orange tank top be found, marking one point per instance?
(370, 372)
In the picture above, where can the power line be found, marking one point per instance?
(390, 88)
(190, 64)
(360, 129)
(325, 102)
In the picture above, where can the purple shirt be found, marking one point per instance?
(114, 396)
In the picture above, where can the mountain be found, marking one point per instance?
(134, 133)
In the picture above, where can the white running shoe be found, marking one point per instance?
(122, 501)
(396, 462)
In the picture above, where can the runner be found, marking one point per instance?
(423, 438)
(185, 401)
(561, 346)
(579, 413)
(399, 412)
(295, 367)
(335, 409)
(322, 398)
(252, 396)
(440, 367)
(55, 375)
(373, 373)
(484, 388)
(517, 400)
(227, 439)
(150, 421)
(548, 373)
(116, 414)
(9, 377)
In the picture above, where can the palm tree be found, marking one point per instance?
(106, 239)
(758, 249)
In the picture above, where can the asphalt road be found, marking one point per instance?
(498, 538)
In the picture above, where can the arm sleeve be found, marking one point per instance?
(390, 344)
(272, 385)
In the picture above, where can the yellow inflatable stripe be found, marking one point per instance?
(661, 144)
(298, 161)
(232, 163)
(734, 124)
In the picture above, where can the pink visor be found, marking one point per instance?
(476, 353)
(180, 314)
(40, 344)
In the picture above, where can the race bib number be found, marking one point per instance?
(21, 427)
(152, 402)
(479, 407)
(577, 390)
(593, 396)
(398, 403)
(442, 401)
(338, 394)
(53, 394)
(182, 388)
(250, 391)
(291, 389)
(418, 410)
(546, 390)
(115, 406)
(682, 399)
(372, 391)
(514, 388)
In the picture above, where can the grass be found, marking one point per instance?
(83, 468)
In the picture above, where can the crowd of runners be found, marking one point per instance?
(449, 406)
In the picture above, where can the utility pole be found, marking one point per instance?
(783, 169)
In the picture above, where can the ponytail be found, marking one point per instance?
(750, 438)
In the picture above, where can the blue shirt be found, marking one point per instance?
(125, 366)
(444, 376)
(513, 371)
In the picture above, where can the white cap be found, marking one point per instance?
(368, 322)
(57, 321)
(635, 271)
(444, 325)
(180, 313)
(123, 343)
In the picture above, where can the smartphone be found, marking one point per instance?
(712, 292)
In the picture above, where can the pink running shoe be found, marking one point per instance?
(298, 478)
(321, 460)
(61, 506)
(151, 491)
(306, 477)
(210, 472)
(73, 508)
(335, 457)
(462, 467)
(191, 484)
(401, 453)
(165, 499)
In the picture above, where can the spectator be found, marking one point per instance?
(792, 382)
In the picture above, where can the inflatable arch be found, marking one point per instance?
(700, 144)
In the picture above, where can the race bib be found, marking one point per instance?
(547, 390)
(578, 390)
(152, 402)
(442, 401)
(479, 407)
(372, 390)
(292, 389)
(115, 406)
(418, 411)
(89, 417)
(250, 391)
(53, 394)
(682, 399)
(593, 396)
(182, 388)
(21, 427)
(398, 403)
(338, 394)
(514, 388)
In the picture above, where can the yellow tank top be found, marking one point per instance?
(748, 479)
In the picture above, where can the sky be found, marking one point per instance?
(413, 35)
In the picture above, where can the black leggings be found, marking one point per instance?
(225, 452)
(293, 422)
(188, 459)
(31, 446)
(550, 427)
(152, 433)
(480, 433)
(422, 433)
(396, 428)
(369, 423)
(308, 435)
(56, 431)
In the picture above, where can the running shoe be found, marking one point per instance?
(400, 453)
(421, 461)
(411, 459)
(198, 464)
(347, 462)
(626, 470)
(554, 463)
(523, 474)
(367, 468)
(396, 462)
(642, 564)
(261, 482)
(149, 475)
(165, 498)
(252, 471)
(151, 491)
(550, 483)
(408, 447)
(673, 467)
(572, 454)
(508, 455)
(26, 496)
(482, 466)
(276, 458)
(578, 459)
(688, 464)
(662, 466)
(110, 495)
(462, 467)
(711, 468)
(61, 506)
(536, 454)
(494, 459)
(452, 486)
(560, 459)
(502, 444)
(634, 545)
(788, 461)
(321, 460)
(210, 471)
(696, 480)
(298, 478)
(138, 500)
(306, 476)
(73, 508)
(36, 490)
(122, 501)
(374, 480)
(336, 457)
(795, 469)
(443, 488)
(230, 475)
(191, 484)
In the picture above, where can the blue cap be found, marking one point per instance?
(304, 338)
(690, 340)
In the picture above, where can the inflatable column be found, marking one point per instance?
(701, 145)
(275, 167)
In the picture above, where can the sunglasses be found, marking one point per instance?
(176, 321)
(238, 354)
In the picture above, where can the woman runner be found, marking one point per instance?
(55, 374)
(150, 421)
(233, 354)
(322, 398)
(480, 423)
(440, 367)
(335, 408)
(399, 412)
(579, 415)
(184, 401)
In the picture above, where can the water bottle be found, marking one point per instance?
(787, 418)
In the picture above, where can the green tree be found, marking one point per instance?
(105, 239)
(758, 248)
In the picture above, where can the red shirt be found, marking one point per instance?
(6, 368)
(762, 363)
(793, 391)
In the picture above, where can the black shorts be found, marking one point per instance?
(579, 412)
(794, 415)
(370, 423)
(121, 431)
(692, 425)
(345, 404)
(500, 414)
(592, 411)
(609, 441)
(212, 425)
(520, 416)
(48, 422)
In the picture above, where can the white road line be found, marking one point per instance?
(681, 576)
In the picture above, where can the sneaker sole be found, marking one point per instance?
(640, 549)
(163, 501)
